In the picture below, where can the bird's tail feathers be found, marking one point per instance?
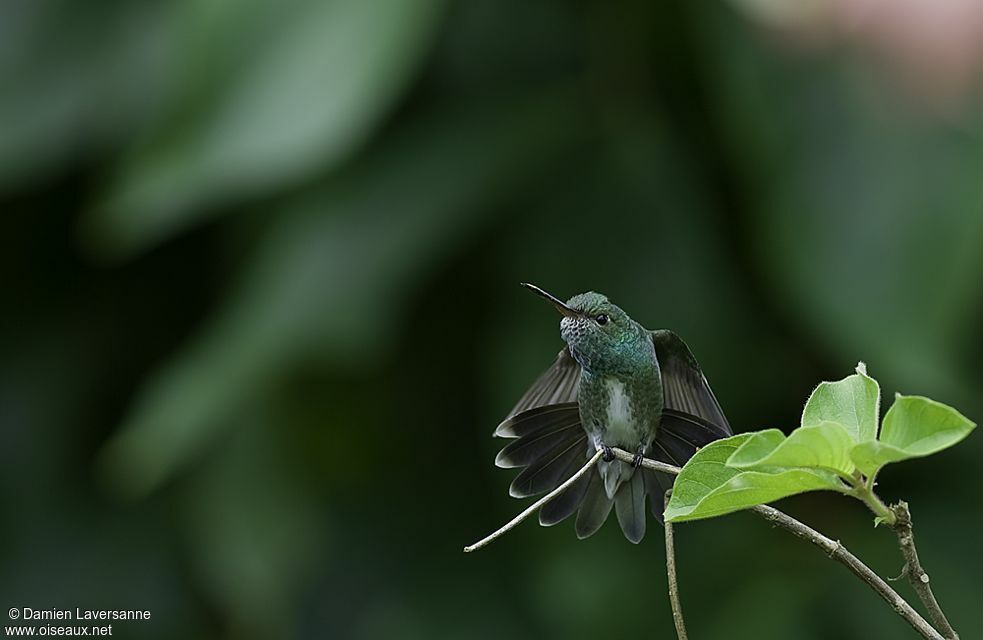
(595, 508)
(629, 504)
(615, 473)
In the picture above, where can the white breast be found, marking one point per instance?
(619, 426)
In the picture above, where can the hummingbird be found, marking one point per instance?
(614, 384)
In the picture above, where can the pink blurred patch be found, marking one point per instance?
(935, 45)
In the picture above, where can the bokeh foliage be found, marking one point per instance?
(260, 262)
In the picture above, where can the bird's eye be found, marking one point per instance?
(602, 319)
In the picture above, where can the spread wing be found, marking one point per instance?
(549, 441)
(556, 385)
(684, 386)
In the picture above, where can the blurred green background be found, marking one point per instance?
(260, 266)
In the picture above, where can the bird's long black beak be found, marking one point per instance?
(559, 304)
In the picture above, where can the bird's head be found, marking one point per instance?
(600, 335)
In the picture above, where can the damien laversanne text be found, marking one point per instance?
(83, 614)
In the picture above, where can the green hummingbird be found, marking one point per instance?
(614, 384)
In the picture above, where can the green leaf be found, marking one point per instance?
(825, 445)
(757, 447)
(871, 456)
(913, 427)
(707, 487)
(923, 426)
(854, 402)
(704, 472)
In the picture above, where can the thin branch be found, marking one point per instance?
(648, 463)
(838, 552)
(535, 505)
(677, 608)
(833, 549)
(916, 574)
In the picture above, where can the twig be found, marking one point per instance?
(833, 548)
(677, 608)
(535, 505)
(838, 552)
(916, 574)
(648, 463)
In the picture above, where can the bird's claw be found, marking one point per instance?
(636, 460)
(608, 454)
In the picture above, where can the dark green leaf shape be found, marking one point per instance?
(854, 402)
(707, 487)
(308, 93)
(825, 446)
(913, 427)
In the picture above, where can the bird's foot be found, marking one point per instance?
(636, 460)
(608, 454)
